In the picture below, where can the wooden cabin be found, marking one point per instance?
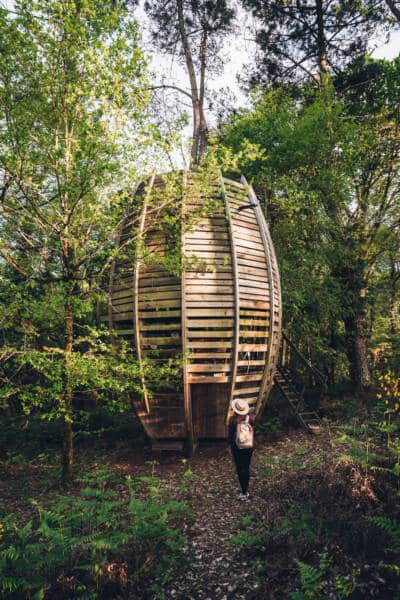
(199, 298)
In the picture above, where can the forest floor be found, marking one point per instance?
(309, 502)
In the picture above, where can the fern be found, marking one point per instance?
(78, 535)
(392, 529)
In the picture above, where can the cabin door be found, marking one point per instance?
(209, 407)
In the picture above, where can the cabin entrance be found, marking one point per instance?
(209, 407)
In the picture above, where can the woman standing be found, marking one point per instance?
(241, 436)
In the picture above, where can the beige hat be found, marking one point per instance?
(240, 407)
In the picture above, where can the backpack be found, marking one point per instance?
(244, 434)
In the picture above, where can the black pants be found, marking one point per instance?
(242, 459)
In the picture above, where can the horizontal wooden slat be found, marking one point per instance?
(249, 377)
(209, 296)
(161, 327)
(252, 347)
(246, 390)
(250, 363)
(257, 261)
(204, 255)
(208, 288)
(159, 314)
(210, 344)
(253, 304)
(253, 271)
(194, 333)
(213, 276)
(207, 303)
(206, 235)
(209, 323)
(160, 341)
(215, 354)
(207, 368)
(245, 333)
(209, 312)
(154, 304)
(255, 322)
(154, 296)
(207, 379)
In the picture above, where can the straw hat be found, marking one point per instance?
(240, 407)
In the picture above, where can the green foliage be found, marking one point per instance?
(94, 542)
(323, 582)
(323, 174)
(391, 527)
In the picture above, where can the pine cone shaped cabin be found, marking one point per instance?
(199, 299)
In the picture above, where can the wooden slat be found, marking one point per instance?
(206, 368)
(211, 288)
(207, 334)
(161, 341)
(165, 288)
(254, 322)
(253, 334)
(214, 323)
(253, 304)
(250, 377)
(161, 327)
(207, 277)
(216, 355)
(208, 296)
(159, 314)
(244, 347)
(209, 300)
(153, 304)
(246, 390)
(209, 312)
(210, 344)
(156, 296)
(250, 363)
(207, 379)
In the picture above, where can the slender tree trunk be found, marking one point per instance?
(203, 122)
(321, 41)
(394, 296)
(68, 438)
(196, 101)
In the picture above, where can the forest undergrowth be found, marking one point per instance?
(323, 520)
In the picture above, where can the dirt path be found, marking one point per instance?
(215, 569)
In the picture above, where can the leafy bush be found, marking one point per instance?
(95, 543)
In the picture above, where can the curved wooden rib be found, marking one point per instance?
(235, 344)
(136, 296)
(274, 291)
(187, 400)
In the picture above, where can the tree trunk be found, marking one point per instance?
(394, 296)
(356, 346)
(68, 437)
(321, 41)
(196, 99)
